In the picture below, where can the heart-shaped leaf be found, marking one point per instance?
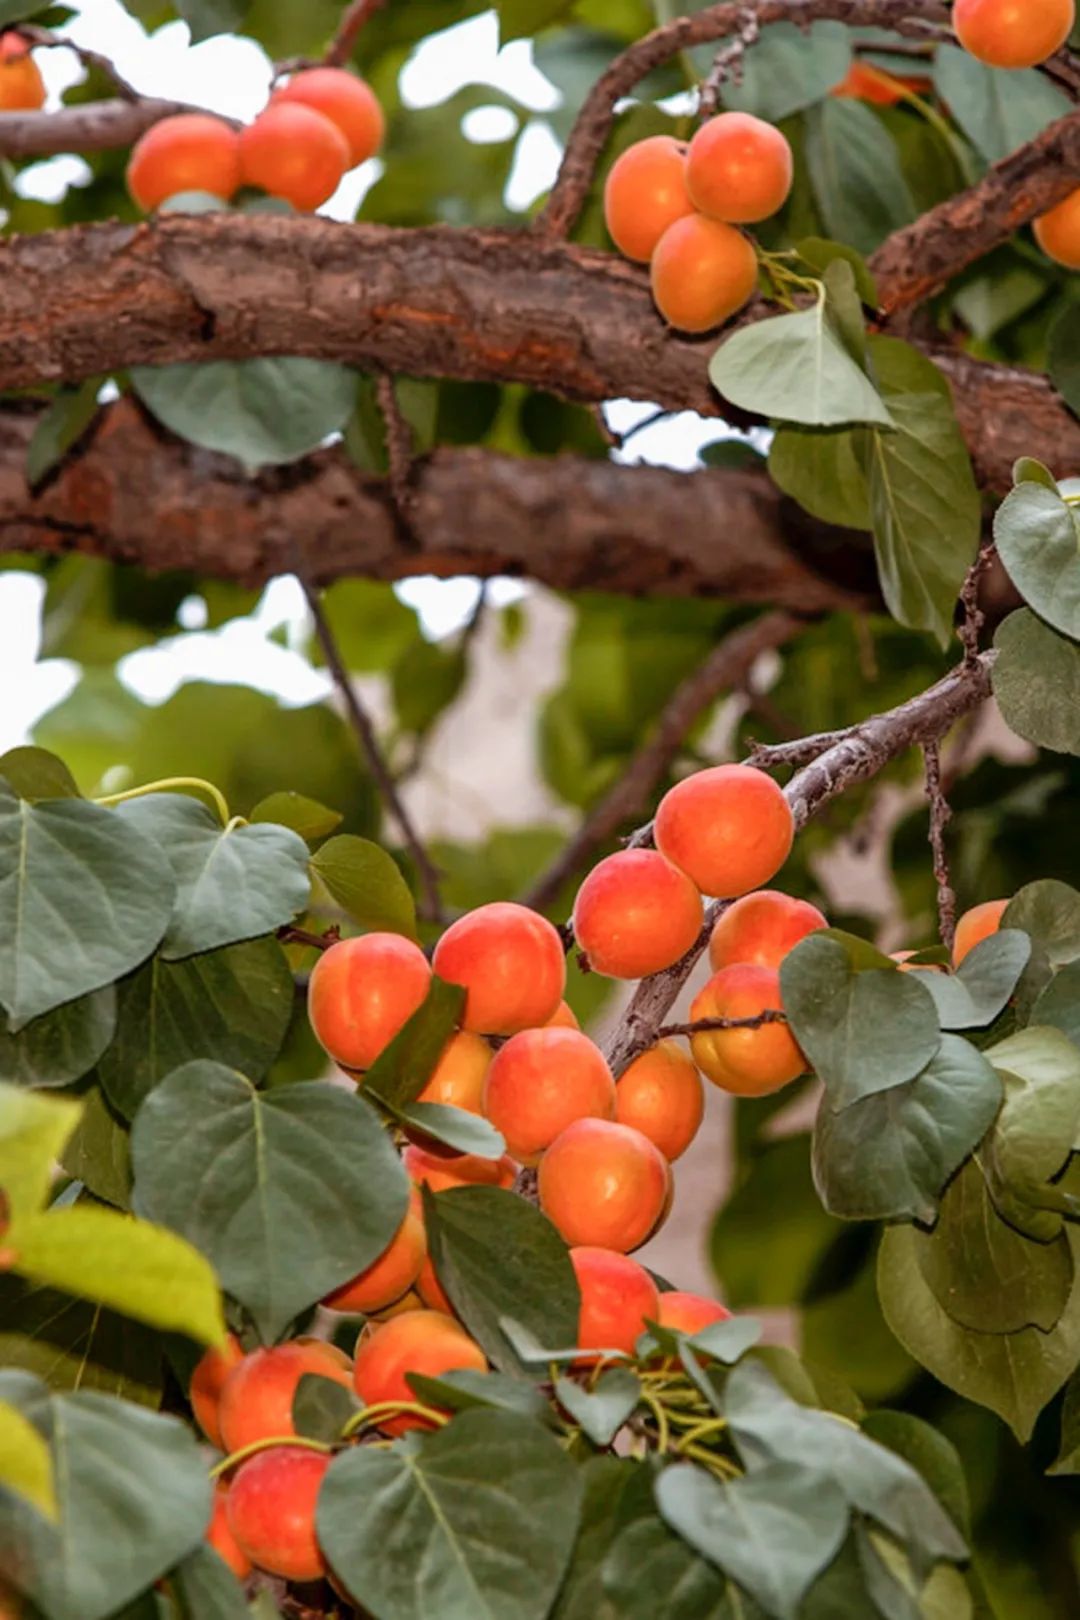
(1036, 681)
(603, 1409)
(367, 884)
(1038, 539)
(305, 816)
(794, 367)
(62, 1045)
(973, 996)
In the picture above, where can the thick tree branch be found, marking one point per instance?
(96, 126)
(476, 304)
(852, 757)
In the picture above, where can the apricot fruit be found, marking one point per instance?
(729, 828)
(636, 914)
(563, 1017)
(746, 1062)
(409, 1301)
(189, 152)
(431, 1291)
(540, 1082)
(346, 100)
(1013, 33)
(294, 152)
(738, 169)
(660, 1094)
(271, 1511)
(865, 82)
(256, 1402)
(458, 1170)
(1058, 232)
(975, 926)
(392, 1274)
(22, 89)
(362, 991)
(457, 1080)
(604, 1185)
(219, 1536)
(427, 1342)
(617, 1296)
(208, 1381)
(689, 1313)
(511, 963)
(762, 928)
(644, 193)
(702, 272)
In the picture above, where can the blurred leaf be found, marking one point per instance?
(425, 680)
(771, 1235)
(312, 821)
(36, 774)
(207, 17)
(206, 1589)
(94, 728)
(997, 110)
(1049, 911)
(62, 1045)
(856, 175)
(74, 1344)
(370, 624)
(795, 368)
(1063, 361)
(403, 1068)
(787, 68)
(819, 252)
(460, 1388)
(63, 425)
(367, 884)
(33, 1131)
(99, 1153)
(518, 19)
(1036, 1129)
(25, 1463)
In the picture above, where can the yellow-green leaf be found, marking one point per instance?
(33, 1134)
(25, 1464)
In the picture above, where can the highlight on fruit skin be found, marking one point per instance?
(636, 914)
(761, 928)
(702, 273)
(421, 1342)
(1058, 232)
(689, 1313)
(361, 993)
(346, 99)
(661, 1095)
(1013, 33)
(442, 1172)
(604, 1185)
(617, 1298)
(975, 926)
(510, 962)
(188, 152)
(729, 828)
(257, 1400)
(747, 1062)
(270, 1510)
(739, 169)
(645, 192)
(540, 1082)
(294, 152)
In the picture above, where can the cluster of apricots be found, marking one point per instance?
(320, 123)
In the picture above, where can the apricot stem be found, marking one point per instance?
(169, 782)
(701, 1431)
(268, 1443)
(381, 1409)
(663, 1430)
(713, 1461)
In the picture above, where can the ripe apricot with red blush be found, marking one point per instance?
(729, 828)
(636, 914)
(689, 1313)
(1013, 33)
(762, 928)
(540, 1082)
(219, 1536)
(427, 1342)
(457, 1080)
(208, 1381)
(975, 926)
(441, 1172)
(644, 193)
(746, 1062)
(511, 963)
(392, 1273)
(1058, 232)
(271, 1511)
(190, 152)
(660, 1094)
(256, 1402)
(294, 152)
(701, 272)
(22, 89)
(604, 1185)
(617, 1297)
(739, 169)
(362, 991)
(346, 100)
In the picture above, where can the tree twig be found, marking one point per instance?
(974, 618)
(701, 1026)
(291, 935)
(728, 64)
(940, 816)
(353, 20)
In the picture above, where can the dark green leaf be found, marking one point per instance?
(455, 1128)
(1050, 912)
(617, 1491)
(402, 1069)
(822, 469)
(603, 1409)
(63, 425)
(819, 252)
(788, 68)
(973, 996)
(1038, 538)
(99, 1152)
(465, 1387)
(1067, 1460)
(930, 1454)
(306, 817)
(206, 1588)
(1059, 1003)
(321, 1407)
(1037, 682)
(651, 1571)
(519, 19)
(74, 1344)
(35, 774)
(855, 171)
(771, 1235)
(1063, 361)
(62, 1045)
(426, 679)
(997, 110)
(367, 884)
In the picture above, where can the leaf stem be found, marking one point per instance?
(371, 1415)
(299, 1441)
(663, 1428)
(167, 783)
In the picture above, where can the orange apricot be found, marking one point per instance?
(346, 100)
(440, 1172)
(207, 1383)
(746, 1062)
(644, 193)
(604, 1185)
(1058, 232)
(636, 914)
(689, 1313)
(660, 1094)
(511, 963)
(865, 82)
(540, 1082)
(729, 828)
(362, 991)
(427, 1342)
(271, 1511)
(392, 1274)
(189, 152)
(219, 1535)
(975, 926)
(1013, 33)
(762, 928)
(617, 1296)
(563, 1017)
(257, 1400)
(431, 1291)
(906, 965)
(738, 169)
(458, 1078)
(294, 152)
(702, 272)
(22, 89)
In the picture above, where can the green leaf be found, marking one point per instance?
(402, 1069)
(651, 1571)
(973, 996)
(822, 469)
(497, 1257)
(889, 1156)
(371, 625)
(99, 1152)
(205, 1588)
(1059, 1003)
(25, 1463)
(773, 1531)
(83, 900)
(794, 367)
(305, 816)
(367, 884)
(63, 424)
(520, 19)
(321, 1407)
(232, 1005)
(603, 1409)
(74, 1344)
(1014, 1374)
(130, 1266)
(770, 1237)
(133, 1494)
(476, 1522)
(616, 1492)
(62, 1045)
(425, 680)
(1063, 362)
(288, 1194)
(818, 252)
(455, 1128)
(788, 68)
(232, 883)
(1027, 470)
(928, 1451)
(1067, 1460)
(861, 1032)
(1037, 1127)
(924, 501)
(1037, 682)
(35, 774)
(1038, 538)
(1050, 912)
(263, 412)
(33, 1131)
(461, 1388)
(997, 110)
(855, 173)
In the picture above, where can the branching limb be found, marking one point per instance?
(940, 816)
(974, 617)
(728, 63)
(702, 1026)
(353, 20)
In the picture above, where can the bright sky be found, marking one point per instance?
(232, 75)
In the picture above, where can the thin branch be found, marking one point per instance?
(702, 1026)
(728, 63)
(43, 39)
(725, 667)
(431, 904)
(290, 935)
(974, 618)
(940, 816)
(354, 18)
(613, 440)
